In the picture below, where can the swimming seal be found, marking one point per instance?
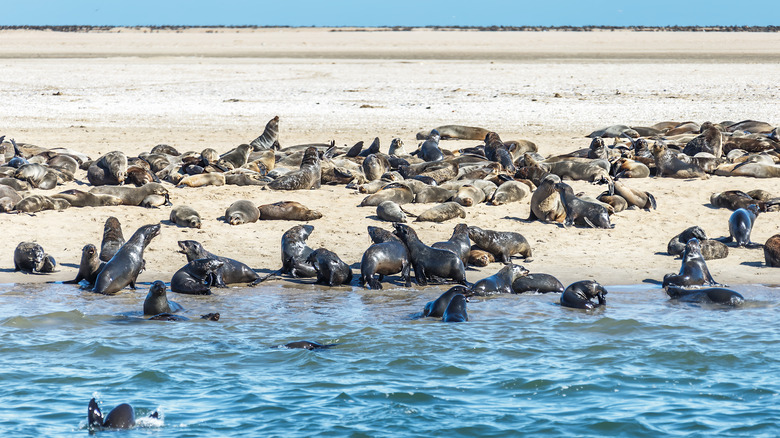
(716, 295)
(331, 270)
(196, 276)
(185, 216)
(456, 310)
(539, 283)
(123, 268)
(772, 251)
(232, 271)
(741, 224)
(579, 295)
(580, 212)
(287, 211)
(308, 176)
(121, 417)
(295, 252)
(89, 267)
(29, 257)
(458, 243)
(442, 212)
(112, 239)
(242, 212)
(437, 307)
(306, 345)
(430, 262)
(693, 271)
(156, 301)
(110, 169)
(502, 244)
(500, 282)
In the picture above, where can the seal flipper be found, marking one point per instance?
(652, 200)
(94, 415)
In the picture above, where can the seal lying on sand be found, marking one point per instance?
(772, 251)
(185, 216)
(29, 257)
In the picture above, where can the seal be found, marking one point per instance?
(306, 345)
(667, 164)
(579, 295)
(235, 158)
(77, 198)
(429, 151)
(677, 244)
(232, 271)
(500, 282)
(502, 244)
(121, 417)
(710, 141)
(732, 199)
(196, 276)
(134, 195)
(693, 271)
(480, 257)
(717, 295)
(123, 268)
(269, 137)
(430, 262)
(331, 270)
(390, 211)
(458, 243)
(379, 235)
(772, 251)
(110, 169)
(437, 307)
(242, 212)
(456, 132)
(374, 166)
(203, 180)
(29, 257)
(456, 310)
(36, 203)
(580, 212)
(112, 239)
(295, 252)
(308, 176)
(185, 216)
(38, 175)
(627, 168)
(89, 267)
(385, 257)
(442, 212)
(510, 191)
(396, 192)
(287, 211)
(635, 198)
(546, 204)
(741, 224)
(468, 195)
(538, 283)
(156, 301)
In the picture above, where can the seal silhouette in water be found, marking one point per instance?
(456, 310)
(717, 295)
(121, 417)
(437, 307)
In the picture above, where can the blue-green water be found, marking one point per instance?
(644, 366)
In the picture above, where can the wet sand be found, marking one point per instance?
(130, 90)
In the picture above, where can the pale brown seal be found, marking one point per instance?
(502, 244)
(185, 216)
(546, 204)
(442, 212)
(287, 211)
(772, 251)
(89, 267)
(77, 198)
(242, 212)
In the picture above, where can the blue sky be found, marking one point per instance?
(389, 13)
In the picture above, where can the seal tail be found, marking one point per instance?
(262, 279)
(407, 212)
(652, 200)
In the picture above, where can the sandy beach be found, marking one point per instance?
(131, 89)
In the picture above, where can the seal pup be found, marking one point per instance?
(546, 204)
(500, 282)
(235, 158)
(772, 251)
(580, 295)
(29, 257)
(112, 239)
(241, 212)
(459, 242)
(295, 251)
(716, 295)
(287, 211)
(121, 417)
(331, 270)
(741, 224)
(539, 283)
(36, 203)
(308, 176)
(123, 268)
(456, 310)
(502, 244)
(232, 271)
(269, 137)
(442, 212)
(510, 191)
(480, 257)
(580, 212)
(693, 271)
(437, 307)
(195, 277)
(157, 302)
(89, 267)
(430, 262)
(185, 216)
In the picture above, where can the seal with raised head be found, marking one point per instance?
(232, 271)
(502, 244)
(546, 204)
(718, 295)
(235, 158)
(710, 141)
(580, 295)
(456, 310)
(331, 270)
(287, 211)
(580, 212)
(123, 268)
(89, 267)
(29, 257)
(110, 169)
(442, 212)
(772, 251)
(196, 277)
(430, 262)
(185, 216)
(242, 212)
(269, 137)
(693, 271)
(384, 257)
(500, 282)
(429, 151)
(308, 176)
(295, 251)
(667, 164)
(458, 243)
(437, 307)
(741, 224)
(538, 283)
(112, 239)
(157, 302)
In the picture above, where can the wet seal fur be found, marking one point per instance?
(123, 268)
(232, 271)
(583, 213)
(29, 257)
(89, 267)
(539, 283)
(437, 307)
(121, 417)
(196, 276)
(331, 270)
(693, 271)
(580, 295)
(430, 262)
(387, 256)
(502, 244)
(156, 301)
(456, 310)
(500, 282)
(459, 242)
(295, 251)
(716, 295)
(112, 239)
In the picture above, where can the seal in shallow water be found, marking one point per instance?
(123, 268)
(89, 267)
(386, 257)
(195, 277)
(156, 301)
(430, 262)
(716, 295)
(458, 243)
(693, 271)
(500, 282)
(502, 244)
(539, 283)
(437, 307)
(580, 295)
(331, 270)
(295, 251)
(232, 271)
(456, 310)
(121, 417)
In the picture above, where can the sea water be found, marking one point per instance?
(522, 364)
